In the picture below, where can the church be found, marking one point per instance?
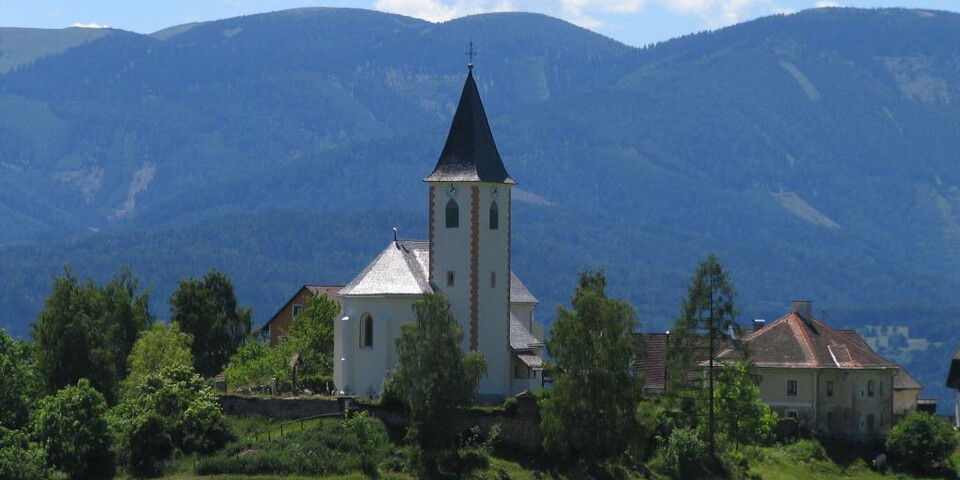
(466, 258)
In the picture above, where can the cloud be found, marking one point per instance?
(826, 4)
(89, 25)
(587, 13)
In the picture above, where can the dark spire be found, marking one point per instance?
(470, 154)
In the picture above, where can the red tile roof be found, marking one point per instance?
(650, 359)
(791, 341)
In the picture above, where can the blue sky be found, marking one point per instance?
(634, 22)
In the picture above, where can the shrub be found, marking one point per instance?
(71, 426)
(685, 455)
(372, 442)
(510, 406)
(330, 448)
(806, 451)
(173, 405)
(922, 442)
(21, 460)
(147, 446)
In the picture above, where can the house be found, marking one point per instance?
(829, 380)
(466, 257)
(906, 393)
(280, 322)
(953, 381)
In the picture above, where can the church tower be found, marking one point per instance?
(469, 236)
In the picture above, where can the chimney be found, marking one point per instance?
(803, 308)
(758, 323)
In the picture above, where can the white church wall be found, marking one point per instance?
(361, 370)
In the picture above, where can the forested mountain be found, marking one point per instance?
(815, 153)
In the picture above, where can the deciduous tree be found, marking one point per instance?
(87, 332)
(158, 347)
(206, 308)
(434, 379)
(72, 427)
(16, 379)
(589, 414)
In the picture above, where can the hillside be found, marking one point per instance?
(814, 153)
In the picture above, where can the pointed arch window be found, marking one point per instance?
(453, 214)
(494, 216)
(366, 331)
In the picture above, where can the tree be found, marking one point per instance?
(591, 407)
(741, 416)
(72, 428)
(311, 335)
(16, 385)
(22, 460)
(433, 378)
(207, 309)
(87, 332)
(158, 347)
(922, 442)
(707, 321)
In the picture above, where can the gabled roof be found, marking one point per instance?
(650, 358)
(331, 291)
(519, 292)
(470, 154)
(520, 337)
(400, 269)
(791, 341)
(904, 381)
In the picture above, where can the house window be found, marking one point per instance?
(453, 214)
(869, 388)
(494, 216)
(870, 423)
(829, 388)
(881, 394)
(451, 279)
(493, 279)
(516, 371)
(297, 309)
(366, 333)
(791, 388)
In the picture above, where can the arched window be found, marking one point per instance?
(453, 214)
(366, 330)
(494, 216)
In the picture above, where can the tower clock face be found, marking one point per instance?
(452, 190)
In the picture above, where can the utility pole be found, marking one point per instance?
(710, 370)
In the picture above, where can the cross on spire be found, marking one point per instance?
(471, 52)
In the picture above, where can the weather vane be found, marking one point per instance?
(471, 52)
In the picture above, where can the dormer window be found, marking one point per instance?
(453, 214)
(494, 216)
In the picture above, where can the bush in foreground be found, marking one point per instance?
(331, 448)
(921, 442)
(21, 460)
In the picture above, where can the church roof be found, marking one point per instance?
(520, 337)
(470, 154)
(519, 292)
(402, 268)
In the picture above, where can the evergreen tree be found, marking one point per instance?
(707, 323)
(589, 414)
(206, 308)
